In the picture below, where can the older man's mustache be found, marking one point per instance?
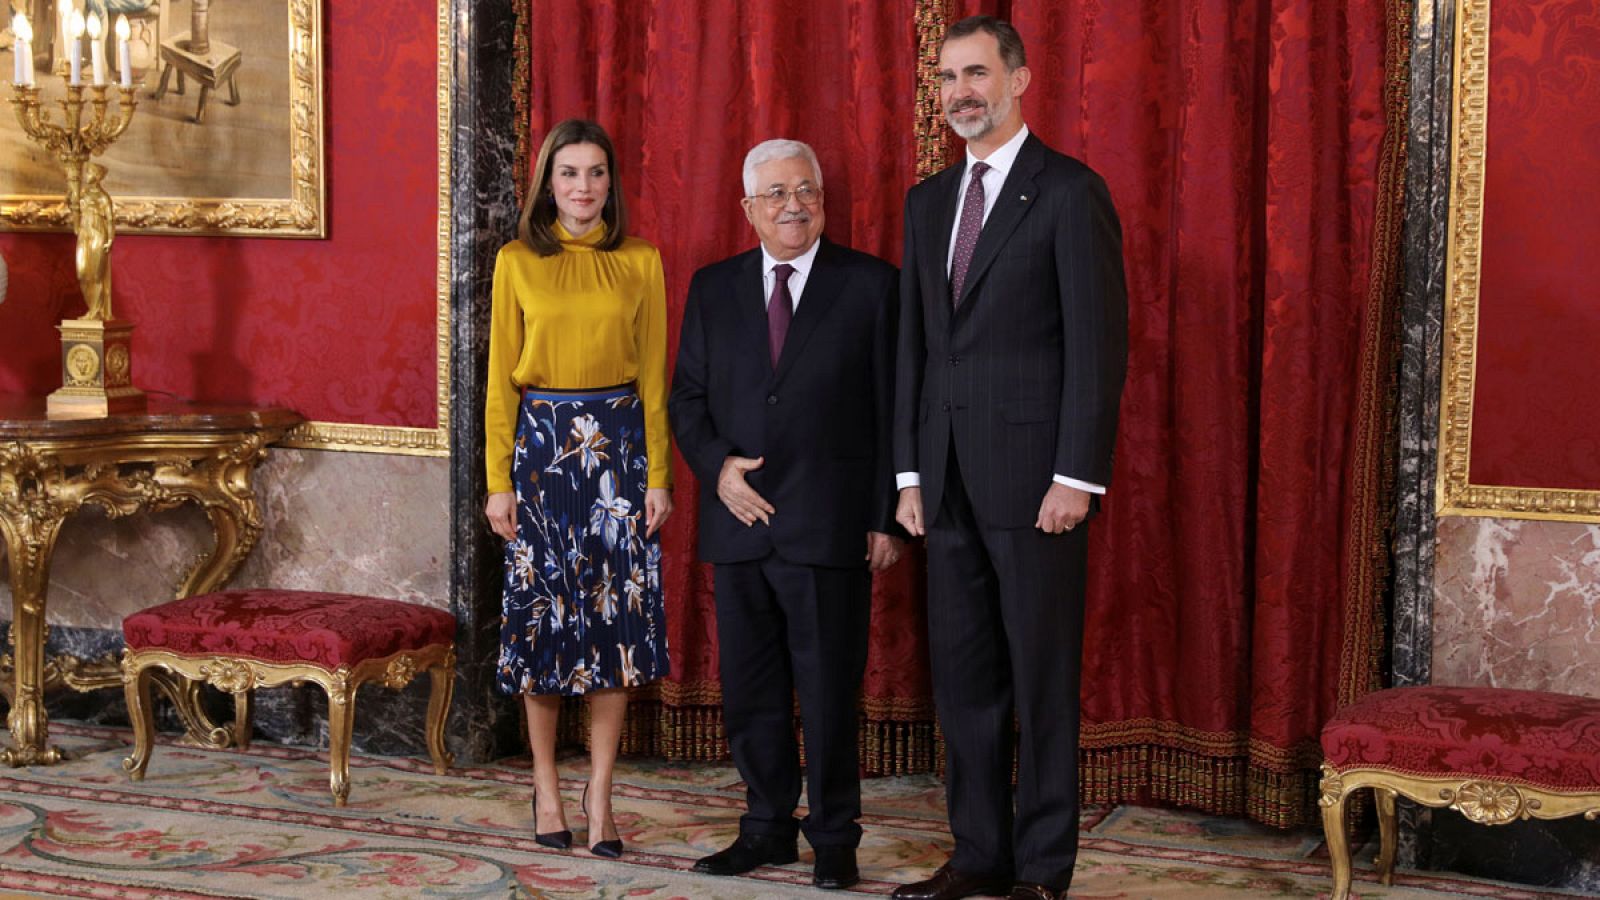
(969, 103)
(789, 218)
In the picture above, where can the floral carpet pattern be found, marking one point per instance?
(261, 824)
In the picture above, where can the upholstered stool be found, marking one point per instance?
(1495, 755)
(240, 640)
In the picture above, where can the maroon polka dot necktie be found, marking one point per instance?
(780, 309)
(967, 233)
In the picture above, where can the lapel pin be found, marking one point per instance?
(1024, 196)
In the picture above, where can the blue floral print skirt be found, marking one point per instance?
(583, 608)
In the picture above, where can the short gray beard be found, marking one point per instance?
(992, 117)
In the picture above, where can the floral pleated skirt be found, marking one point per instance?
(583, 608)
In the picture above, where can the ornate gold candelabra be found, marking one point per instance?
(96, 350)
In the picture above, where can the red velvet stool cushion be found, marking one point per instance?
(330, 630)
(1541, 739)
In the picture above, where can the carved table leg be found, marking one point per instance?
(30, 534)
(236, 524)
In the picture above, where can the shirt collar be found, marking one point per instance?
(1002, 159)
(589, 239)
(801, 263)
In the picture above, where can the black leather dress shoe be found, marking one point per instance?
(948, 884)
(1027, 890)
(835, 868)
(748, 852)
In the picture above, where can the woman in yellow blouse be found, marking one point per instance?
(578, 464)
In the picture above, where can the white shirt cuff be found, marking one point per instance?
(1080, 485)
(903, 480)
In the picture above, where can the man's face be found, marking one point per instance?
(977, 92)
(788, 228)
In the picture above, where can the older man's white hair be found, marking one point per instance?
(772, 151)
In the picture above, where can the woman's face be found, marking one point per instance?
(580, 181)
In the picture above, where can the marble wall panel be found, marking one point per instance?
(1517, 604)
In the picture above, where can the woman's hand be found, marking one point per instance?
(502, 512)
(657, 506)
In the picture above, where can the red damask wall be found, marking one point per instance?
(343, 329)
(1536, 415)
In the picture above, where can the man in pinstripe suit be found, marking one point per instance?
(1012, 352)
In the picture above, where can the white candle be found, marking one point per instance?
(63, 19)
(124, 68)
(16, 49)
(24, 49)
(97, 50)
(75, 48)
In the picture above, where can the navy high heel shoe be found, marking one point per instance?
(611, 849)
(558, 840)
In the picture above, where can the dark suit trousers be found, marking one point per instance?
(784, 628)
(1005, 617)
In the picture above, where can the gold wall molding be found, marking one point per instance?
(1457, 495)
(396, 440)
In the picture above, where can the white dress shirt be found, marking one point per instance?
(1000, 163)
(797, 279)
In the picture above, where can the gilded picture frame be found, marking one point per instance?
(1457, 494)
(243, 157)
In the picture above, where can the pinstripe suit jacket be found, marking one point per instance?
(1023, 374)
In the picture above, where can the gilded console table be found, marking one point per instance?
(172, 454)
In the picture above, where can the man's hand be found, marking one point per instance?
(908, 512)
(501, 510)
(883, 550)
(1063, 507)
(746, 505)
(657, 506)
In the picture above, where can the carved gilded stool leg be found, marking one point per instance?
(1388, 834)
(444, 685)
(244, 721)
(136, 688)
(341, 723)
(1333, 807)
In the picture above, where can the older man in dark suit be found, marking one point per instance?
(782, 405)
(1013, 347)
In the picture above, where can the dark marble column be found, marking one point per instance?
(1422, 343)
(483, 217)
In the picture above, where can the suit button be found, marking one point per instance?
(947, 406)
(955, 360)
(772, 399)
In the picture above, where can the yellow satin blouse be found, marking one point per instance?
(583, 318)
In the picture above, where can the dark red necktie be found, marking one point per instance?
(780, 310)
(967, 232)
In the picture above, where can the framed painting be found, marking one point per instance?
(228, 134)
(1520, 419)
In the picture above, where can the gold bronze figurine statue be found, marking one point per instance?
(96, 350)
(91, 219)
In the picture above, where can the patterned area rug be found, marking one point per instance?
(261, 825)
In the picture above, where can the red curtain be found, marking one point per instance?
(1232, 591)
